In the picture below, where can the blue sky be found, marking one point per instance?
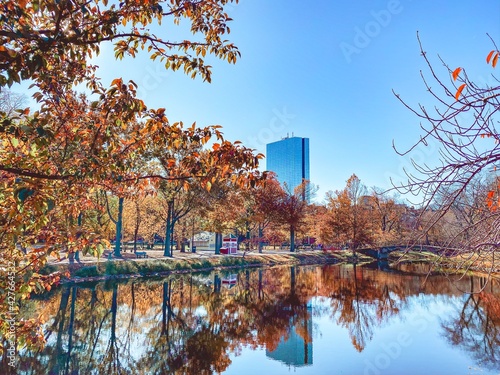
(325, 70)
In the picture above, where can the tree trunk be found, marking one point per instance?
(167, 246)
(137, 224)
(77, 254)
(172, 228)
(167, 250)
(191, 244)
(247, 235)
(218, 242)
(292, 239)
(260, 238)
(119, 224)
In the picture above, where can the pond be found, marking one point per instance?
(281, 320)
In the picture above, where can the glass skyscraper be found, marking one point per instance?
(289, 159)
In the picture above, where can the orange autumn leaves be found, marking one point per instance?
(56, 160)
(492, 59)
(493, 199)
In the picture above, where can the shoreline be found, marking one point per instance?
(129, 267)
(124, 268)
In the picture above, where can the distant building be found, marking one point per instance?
(294, 351)
(289, 159)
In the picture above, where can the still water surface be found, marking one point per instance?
(298, 320)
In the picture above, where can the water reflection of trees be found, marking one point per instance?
(192, 323)
(359, 302)
(475, 327)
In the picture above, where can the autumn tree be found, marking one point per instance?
(314, 219)
(53, 160)
(335, 221)
(470, 207)
(135, 210)
(97, 220)
(219, 212)
(291, 209)
(386, 217)
(348, 219)
(266, 200)
(175, 204)
(258, 208)
(188, 166)
(73, 32)
(464, 126)
(151, 227)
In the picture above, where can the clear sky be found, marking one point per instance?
(325, 70)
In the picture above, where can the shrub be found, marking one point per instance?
(89, 271)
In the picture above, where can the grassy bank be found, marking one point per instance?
(131, 268)
(463, 264)
(483, 264)
(413, 257)
(153, 267)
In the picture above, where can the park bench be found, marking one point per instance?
(141, 254)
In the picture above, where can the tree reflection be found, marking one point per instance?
(476, 326)
(194, 324)
(360, 303)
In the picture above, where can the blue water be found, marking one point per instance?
(300, 320)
